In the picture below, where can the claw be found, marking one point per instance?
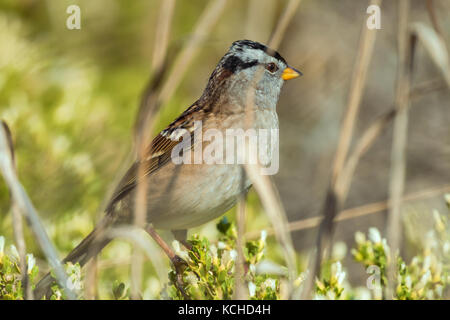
(187, 245)
(180, 265)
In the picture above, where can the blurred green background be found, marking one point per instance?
(71, 97)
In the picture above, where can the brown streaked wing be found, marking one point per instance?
(158, 155)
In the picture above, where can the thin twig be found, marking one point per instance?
(162, 33)
(263, 185)
(277, 216)
(153, 98)
(18, 225)
(283, 23)
(158, 92)
(90, 280)
(334, 198)
(399, 142)
(202, 29)
(140, 213)
(145, 120)
(267, 192)
(370, 135)
(149, 105)
(358, 82)
(433, 18)
(27, 209)
(239, 287)
(136, 236)
(356, 212)
(434, 41)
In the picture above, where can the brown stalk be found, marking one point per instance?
(257, 10)
(433, 18)
(283, 23)
(90, 280)
(277, 216)
(144, 123)
(334, 198)
(137, 237)
(399, 142)
(156, 94)
(358, 82)
(18, 224)
(140, 212)
(149, 105)
(162, 34)
(262, 183)
(26, 208)
(443, 65)
(202, 29)
(268, 195)
(239, 287)
(357, 212)
(370, 135)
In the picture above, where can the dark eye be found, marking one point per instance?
(272, 67)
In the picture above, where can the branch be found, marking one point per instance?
(283, 23)
(334, 198)
(25, 206)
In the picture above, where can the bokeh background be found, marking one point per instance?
(71, 97)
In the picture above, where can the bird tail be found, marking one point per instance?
(88, 248)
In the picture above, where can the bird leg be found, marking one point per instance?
(181, 236)
(177, 262)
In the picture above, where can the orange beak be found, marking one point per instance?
(290, 73)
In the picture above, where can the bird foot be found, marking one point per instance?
(187, 245)
(180, 265)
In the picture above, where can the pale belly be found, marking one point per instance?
(191, 203)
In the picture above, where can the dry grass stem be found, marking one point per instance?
(137, 237)
(25, 207)
(18, 224)
(433, 17)
(357, 85)
(162, 34)
(370, 135)
(334, 199)
(277, 216)
(239, 291)
(90, 280)
(283, 23)
(267, 192)
(435, 46)
(399, 142)
(145, 119)
(202, 29)
(360, 211)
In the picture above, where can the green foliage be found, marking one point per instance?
(210, 271)
(331, 284)
(74, 282)
(372, 252)
(427, 274)
(11, 275)
(11, 287)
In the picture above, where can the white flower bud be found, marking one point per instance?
(251, 289)
(374, 235)
(31, 262)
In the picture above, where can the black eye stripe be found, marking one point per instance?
(234, 63)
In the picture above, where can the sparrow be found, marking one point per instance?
(183, 195)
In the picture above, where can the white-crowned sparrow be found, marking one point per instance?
(182, 196)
